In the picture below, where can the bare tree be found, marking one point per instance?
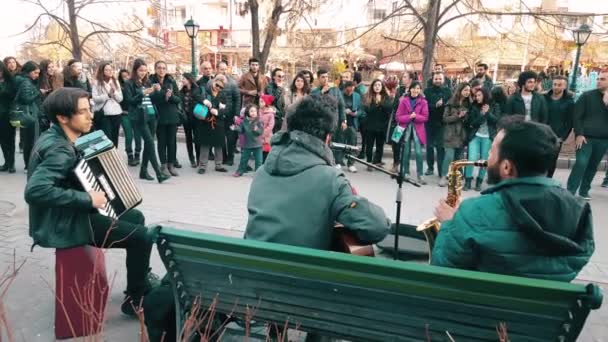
(74, 23)
(291, 10)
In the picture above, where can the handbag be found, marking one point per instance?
(397, 133)
(200, 111)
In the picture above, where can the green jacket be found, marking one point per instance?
(58, 210)
(591, 115)
(539, 113)
(279, 103)
(167, 109)
(7, 95)
(132, 96)
(314, 195)
(528, 227)
(28, 96)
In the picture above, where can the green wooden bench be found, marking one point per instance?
(367, 299)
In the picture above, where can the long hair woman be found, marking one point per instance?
(377, 107)
(191, 95)
(107, 96)
(297, 91)
(455, 133)
(481, 131)
(143, 116)
(48, 78)
(127, 127)
(167, 103)
(73, 76)
(412, 114)
(7, 131)
(29, 99)
(12, 65)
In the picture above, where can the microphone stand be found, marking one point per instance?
(400, 178)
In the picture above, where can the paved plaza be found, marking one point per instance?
(193, 201)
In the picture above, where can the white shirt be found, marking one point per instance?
(528, 105)
(100, 96)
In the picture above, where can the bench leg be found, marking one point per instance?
(81, 291)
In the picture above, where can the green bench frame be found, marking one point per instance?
(367, 299)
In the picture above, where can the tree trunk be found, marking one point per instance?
(430, 37)
(74, 37)
(271, 33)
(255, 28)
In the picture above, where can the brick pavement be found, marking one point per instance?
(191, 201)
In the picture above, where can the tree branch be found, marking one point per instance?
(409, 5)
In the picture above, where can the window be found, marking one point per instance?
(605, 21)
(379, 14)
(394, 6)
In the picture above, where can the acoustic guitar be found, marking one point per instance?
(346, 242)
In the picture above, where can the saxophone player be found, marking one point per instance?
(525, 224)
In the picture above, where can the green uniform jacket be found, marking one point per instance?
(279, 103)
(528, 227)
(59, 214)
(167, 109)
(314, 195)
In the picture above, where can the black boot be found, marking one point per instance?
(177, 165)
(478, 182)
(467, 184)
(137, 158)
(143, 174)
(131, 161)
(4, 168)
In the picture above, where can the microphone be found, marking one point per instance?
(344, 147)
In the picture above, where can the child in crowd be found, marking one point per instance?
(267, 113)
(251, 135)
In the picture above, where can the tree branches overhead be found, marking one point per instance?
(67, 15)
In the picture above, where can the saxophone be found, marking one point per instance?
(431, 227)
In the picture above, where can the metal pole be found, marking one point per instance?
(575, 68)
(194, 71)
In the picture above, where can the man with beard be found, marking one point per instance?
(525, 224)
(527, 102)
(560, 106)
(252, 84)
(438, 69)
(591, 131)
(437, 95)
(482, 75)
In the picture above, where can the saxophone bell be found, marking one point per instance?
(430, 228)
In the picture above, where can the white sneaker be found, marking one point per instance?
(352, 169)
(338, 166)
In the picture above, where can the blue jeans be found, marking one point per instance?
(451, 154)
(246, 153)
(479, 148)
(409, 137)
(588, 157)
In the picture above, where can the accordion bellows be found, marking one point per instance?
(102, 169)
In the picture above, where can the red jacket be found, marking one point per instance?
(404, 110)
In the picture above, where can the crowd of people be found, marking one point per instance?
(221, 115)
(524, 225)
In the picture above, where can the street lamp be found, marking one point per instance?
(581, 35)
(192, 31)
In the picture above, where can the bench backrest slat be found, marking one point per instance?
(351, 297)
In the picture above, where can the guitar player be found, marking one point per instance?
(60, 211)
(297, 195)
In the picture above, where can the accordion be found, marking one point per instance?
(101, 169)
